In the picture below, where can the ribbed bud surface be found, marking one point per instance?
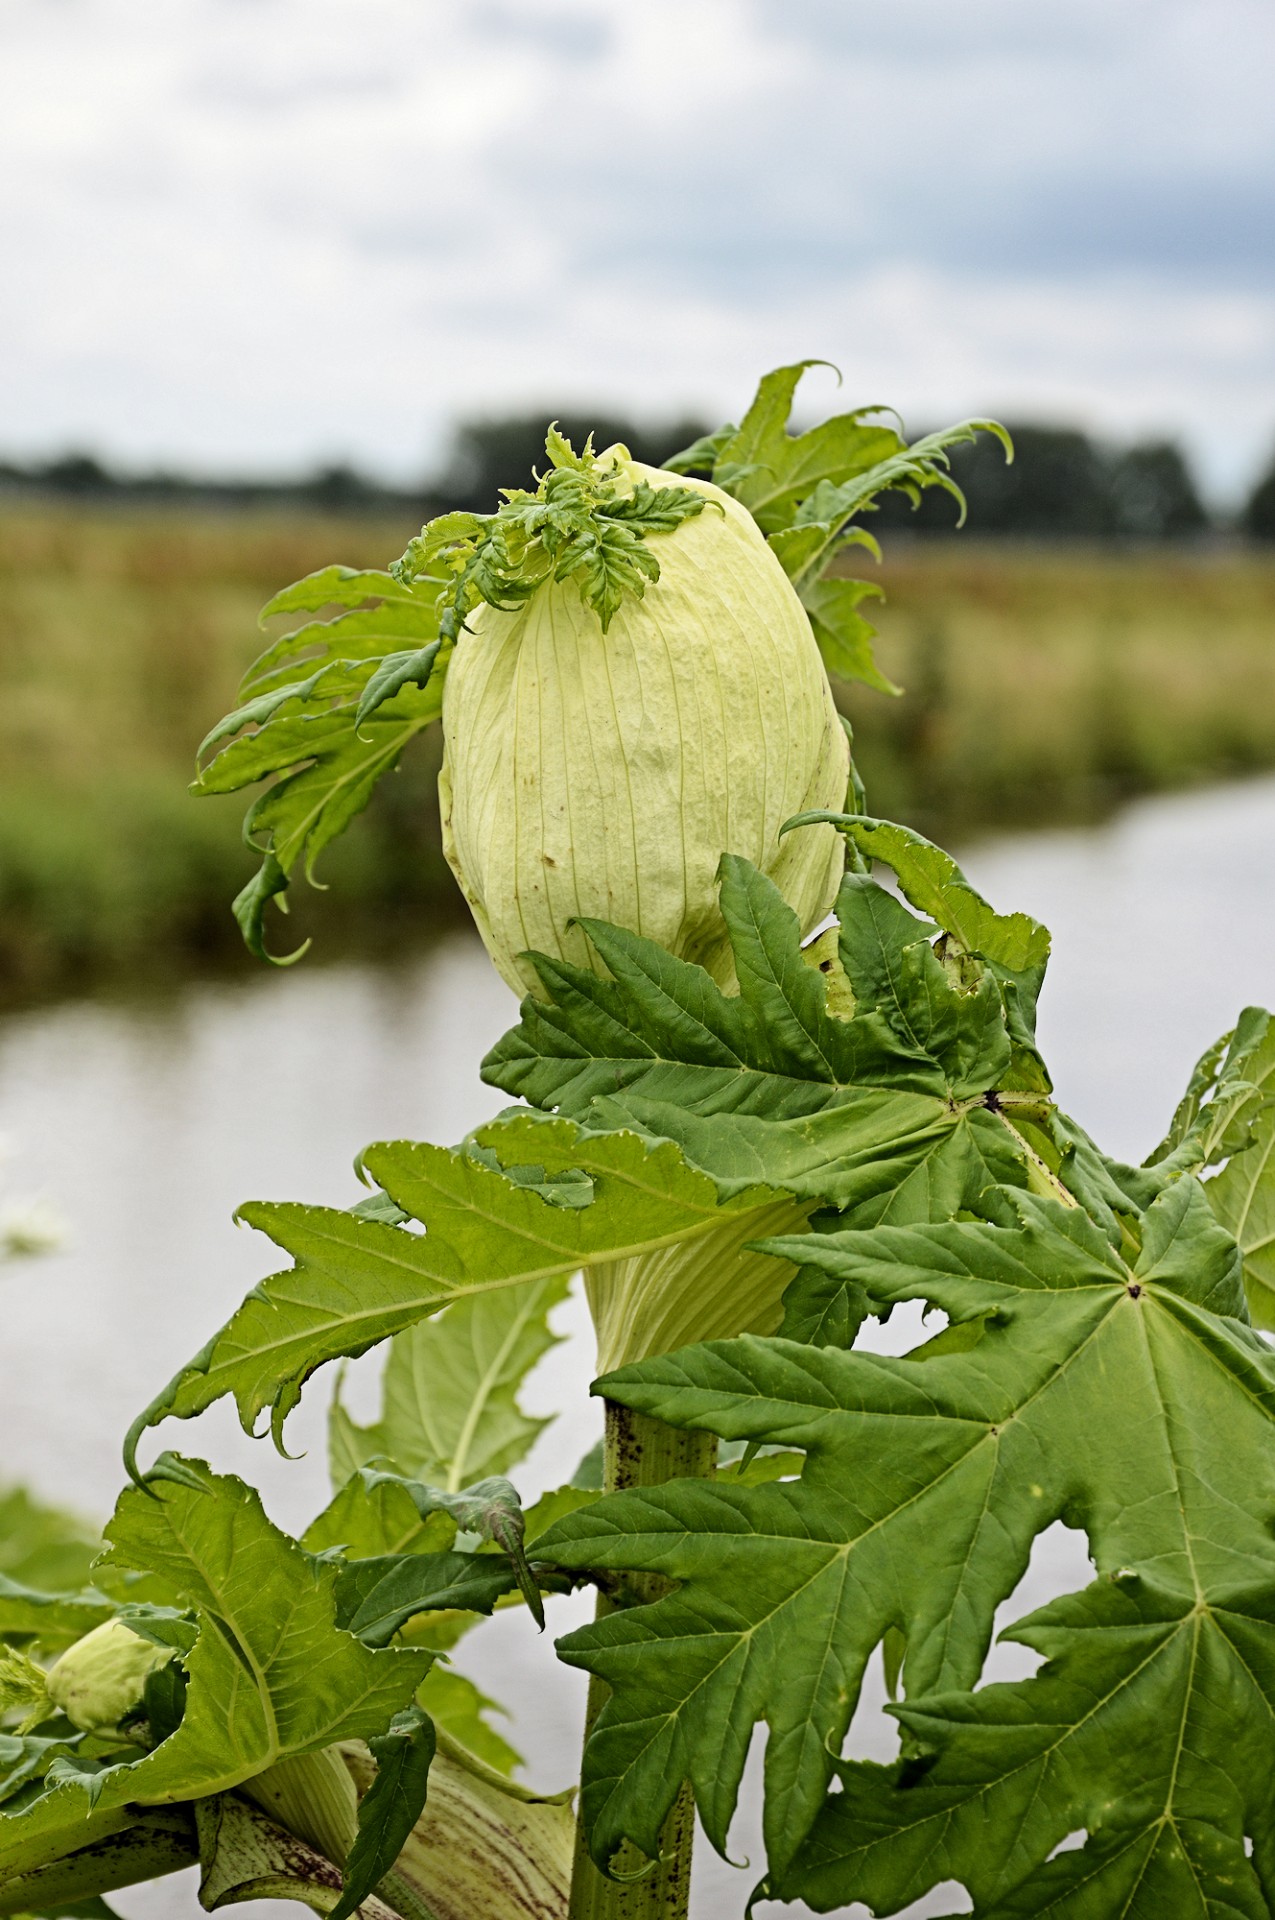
(605, 774)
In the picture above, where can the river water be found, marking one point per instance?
(146, 1126)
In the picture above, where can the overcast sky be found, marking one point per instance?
(262, 233)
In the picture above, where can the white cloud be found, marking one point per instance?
(261, 232)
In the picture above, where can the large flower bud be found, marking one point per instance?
(605, 774)
(102, 1677)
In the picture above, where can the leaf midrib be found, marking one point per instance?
(567, 1263)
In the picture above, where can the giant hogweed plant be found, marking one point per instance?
(752, 1143)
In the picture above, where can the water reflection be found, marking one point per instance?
(148, 1127)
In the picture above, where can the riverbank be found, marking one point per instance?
(1043, 685)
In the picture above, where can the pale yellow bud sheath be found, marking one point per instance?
(605, 774)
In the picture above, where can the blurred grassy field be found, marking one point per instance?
(1043, 685)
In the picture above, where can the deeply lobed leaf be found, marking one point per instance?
(887, 1108)
(1243, 1193)
(450, 1410)
(357, 1281)
(271, 1674)
(927, 1480)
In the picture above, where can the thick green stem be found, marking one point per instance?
(641, 1452)
(160, 1840)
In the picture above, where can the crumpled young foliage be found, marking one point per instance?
(804, 489)
(892, 1102)
(329, 707)
(325, 711)
(332, 704)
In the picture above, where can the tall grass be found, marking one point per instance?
(1047, 684)
(123, 635)
(1042, 685)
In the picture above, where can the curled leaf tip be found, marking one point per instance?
(249, 907)
(283, 1405)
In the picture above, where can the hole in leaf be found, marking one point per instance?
(1059, 1564)
(910, 1325)
(1248, 1845)
(1072, 1842)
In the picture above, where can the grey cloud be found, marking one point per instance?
(1099, 155)
(566, 31)
(1045, 201)
(929, 34)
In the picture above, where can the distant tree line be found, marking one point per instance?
(1062, 484)
(338, 488)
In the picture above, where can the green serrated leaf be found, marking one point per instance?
(490, 1508)
(23, 1689)
(559, 1501)
(412, 667)
(1126, 1397)
(271, 1675)
(1133, 1668)
(824, 1309)
(256, 1694)
(327, 737)
(702, 454)
(376, 1597)
(249, 908)
(25, 1758)
(357, 1282)
(803, 488)
(362, 1521)
(366, 635)
(1243, 1194)
(334, 676)
(327, 766)
(1223, 1103)
(845, 637)
(49, 1620)
(770, 1084)
(935, 885)
(336, 586)
(391, 1806)
(770, 470)
(450, 1410)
